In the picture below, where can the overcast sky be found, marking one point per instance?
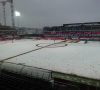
(39, 13)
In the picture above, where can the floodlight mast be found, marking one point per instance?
(12, 12)
(4, 13)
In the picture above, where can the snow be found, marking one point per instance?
(75, 58)
(9, 49)
(81, 42)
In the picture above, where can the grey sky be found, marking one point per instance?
(39, 13)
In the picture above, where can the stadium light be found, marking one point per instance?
(17, 14)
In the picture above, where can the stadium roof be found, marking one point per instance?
(87, 23)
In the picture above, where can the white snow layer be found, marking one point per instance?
(9, 49)
(75, 58)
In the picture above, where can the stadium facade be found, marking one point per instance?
(74, 30)
(7, 32)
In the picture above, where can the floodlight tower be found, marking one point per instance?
(17, 14)
(3, 4)
(12, 12)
